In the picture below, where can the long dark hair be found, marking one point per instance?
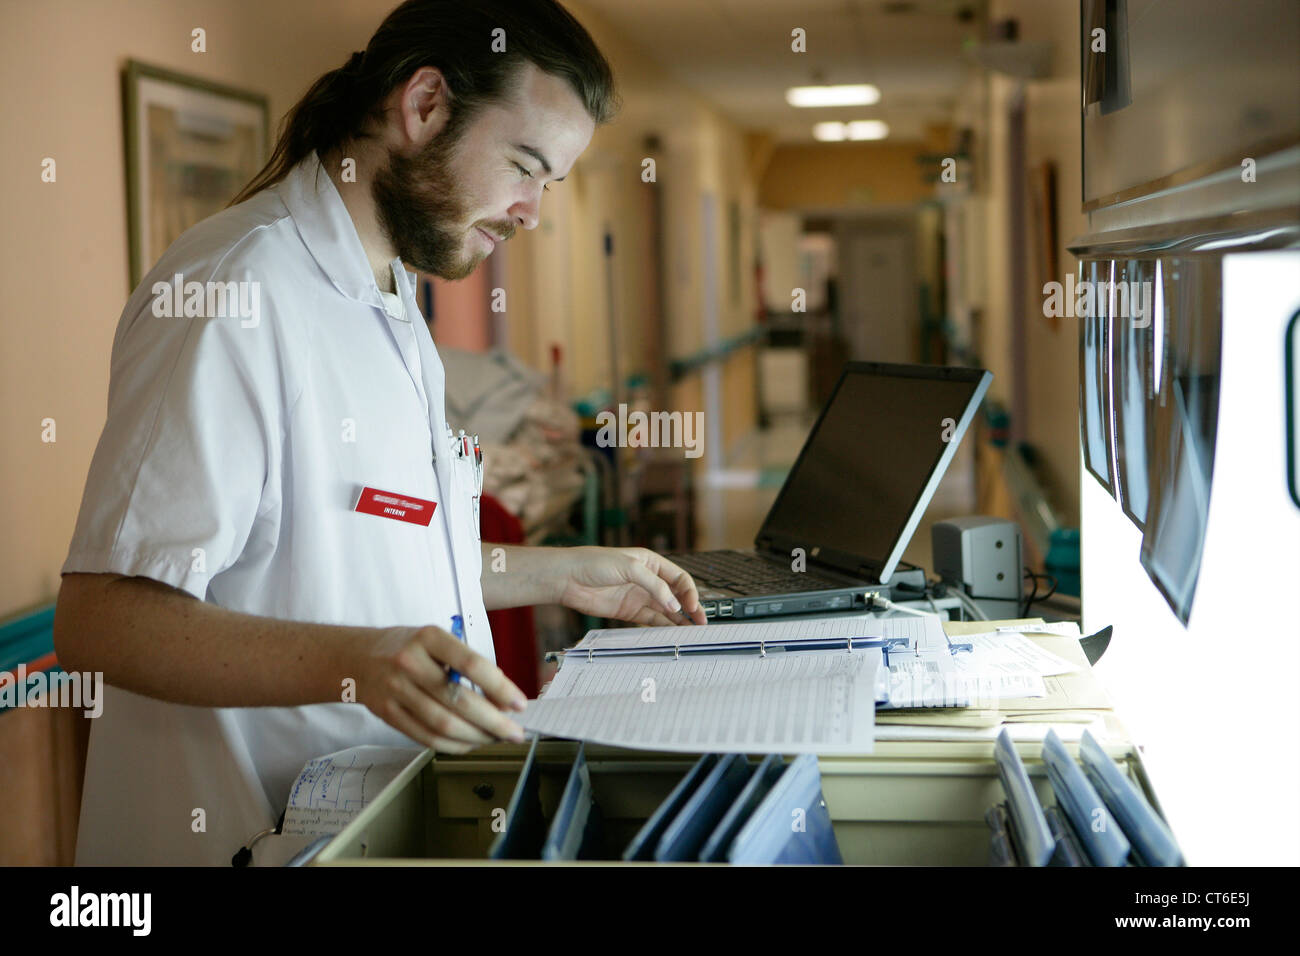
(457, 37)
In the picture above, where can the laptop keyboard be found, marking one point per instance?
(747, 573)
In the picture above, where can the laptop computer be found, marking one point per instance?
(853, 498)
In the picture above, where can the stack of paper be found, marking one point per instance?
(999, 665)
(1050, 654)
(785, 702)
(813, 686)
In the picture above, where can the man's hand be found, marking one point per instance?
(403, 680)
(630, 584)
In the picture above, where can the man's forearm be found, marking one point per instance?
(517, 576)
(154, 640)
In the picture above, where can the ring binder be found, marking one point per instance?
(704, 675)
(683, 642)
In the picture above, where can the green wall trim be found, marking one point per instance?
(25, 638)
(680, 367)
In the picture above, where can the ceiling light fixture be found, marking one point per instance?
(856, 130)
(861, 94)
(830, 132)
(868, 129)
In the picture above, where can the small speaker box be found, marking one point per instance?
(981, 554)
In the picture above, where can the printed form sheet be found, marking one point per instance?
(787, 702)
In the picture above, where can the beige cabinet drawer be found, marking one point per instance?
(909, 804)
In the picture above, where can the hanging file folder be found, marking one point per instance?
(792, 824)
(525, 828)
(643, 844)
(1096, 829)
(1029, 830)
(1001, 852)
(760, 785)
(1068, 851)
(576, 829)
(686, 834)
(1151, 838)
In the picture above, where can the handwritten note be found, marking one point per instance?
(333, 789)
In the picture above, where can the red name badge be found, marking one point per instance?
(389, 504)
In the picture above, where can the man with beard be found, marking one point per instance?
(278, 527)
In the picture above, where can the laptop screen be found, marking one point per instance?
(872, 462)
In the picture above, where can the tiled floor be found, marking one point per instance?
(729, 516)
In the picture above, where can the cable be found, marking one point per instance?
(1034, 596)
(968, 604)
(937, 587)
(877, 600)
(244, 856)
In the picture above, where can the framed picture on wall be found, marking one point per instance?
(1292, 398)
(1094, 377)
(191, 145)
(1134, 336)
(1042, 181)
(1183, 428)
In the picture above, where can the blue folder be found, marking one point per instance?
(525, 828)
(577, 828)
(760, 784)
(1068, 850)
(1101, 836)
(685, 835)
(792, 824)
(1029, 831)
(1001, 852)
(643, 844)
(1153, 843)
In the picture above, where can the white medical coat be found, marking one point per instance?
(232, 457)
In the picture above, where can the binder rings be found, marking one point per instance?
(759, 701)
(819, 634)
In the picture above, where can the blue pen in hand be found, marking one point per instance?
(453, 675)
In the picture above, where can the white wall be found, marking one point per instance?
(1216, 706)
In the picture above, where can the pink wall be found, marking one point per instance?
(461, 317)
